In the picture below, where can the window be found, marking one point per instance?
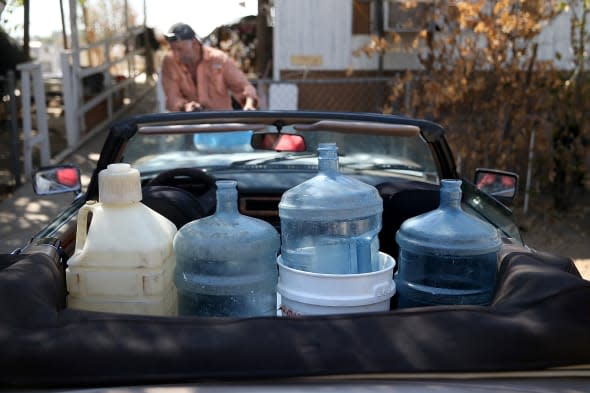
(406, 16)
(361, 17)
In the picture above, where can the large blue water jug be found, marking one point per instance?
(330, 223)
(446, 256)
(226, 263)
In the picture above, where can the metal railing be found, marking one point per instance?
(84, 113)
(78, 106)
(31, 77)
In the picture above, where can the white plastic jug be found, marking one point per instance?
(124, 261)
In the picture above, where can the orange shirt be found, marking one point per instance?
(216, 76)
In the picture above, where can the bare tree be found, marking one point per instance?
(571, 95)
(482, 78)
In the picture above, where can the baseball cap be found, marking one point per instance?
(180, 31)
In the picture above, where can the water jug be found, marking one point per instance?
(226, 263)
(330, 223)
(446, 256)
(124, 260)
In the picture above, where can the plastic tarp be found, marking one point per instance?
(540, 318)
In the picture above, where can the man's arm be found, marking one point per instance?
(250, 104)
(174, 100)
(239, 85)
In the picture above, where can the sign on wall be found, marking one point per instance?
(307, 60)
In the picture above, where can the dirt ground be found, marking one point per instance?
(562, 233)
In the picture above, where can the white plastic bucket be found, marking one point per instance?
(306, 293)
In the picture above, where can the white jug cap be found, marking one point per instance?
(119, 184)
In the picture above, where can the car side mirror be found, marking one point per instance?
(57, 179)
(500, 184)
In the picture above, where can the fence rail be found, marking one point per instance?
(88, 110)
(98, 84)
(367, 94)
(31, 78)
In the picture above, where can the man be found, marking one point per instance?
(197, 77)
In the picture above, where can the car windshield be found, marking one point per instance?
(375, 153)
(384, 155)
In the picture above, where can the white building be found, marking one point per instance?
(47, 54)
(321, 35)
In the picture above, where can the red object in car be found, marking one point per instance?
(67, 176)
(290, 143)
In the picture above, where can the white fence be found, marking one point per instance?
(31, 72)
(86, 112)
(78, 104)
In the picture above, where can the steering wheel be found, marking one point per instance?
(193, 180)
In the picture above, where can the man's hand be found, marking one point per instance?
(192, 106)
(249, 105)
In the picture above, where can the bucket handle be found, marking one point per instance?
(384, 289)
(82, 229)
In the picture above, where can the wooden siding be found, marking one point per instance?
(555, 38)
(316, 35)
(392, 60)
(306, 29)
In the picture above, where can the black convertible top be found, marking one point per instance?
(539, 319)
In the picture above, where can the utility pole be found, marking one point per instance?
(380, 33)
(64, 35)
(26, 38)
(264, 40)
(148, 50)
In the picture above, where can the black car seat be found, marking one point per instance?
(181, 195)
(400, 202)
(176, 204)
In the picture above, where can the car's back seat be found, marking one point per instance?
(403, 200)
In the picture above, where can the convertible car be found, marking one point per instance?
(534, 336)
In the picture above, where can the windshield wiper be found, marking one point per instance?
(372, 166)
(259, 161)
